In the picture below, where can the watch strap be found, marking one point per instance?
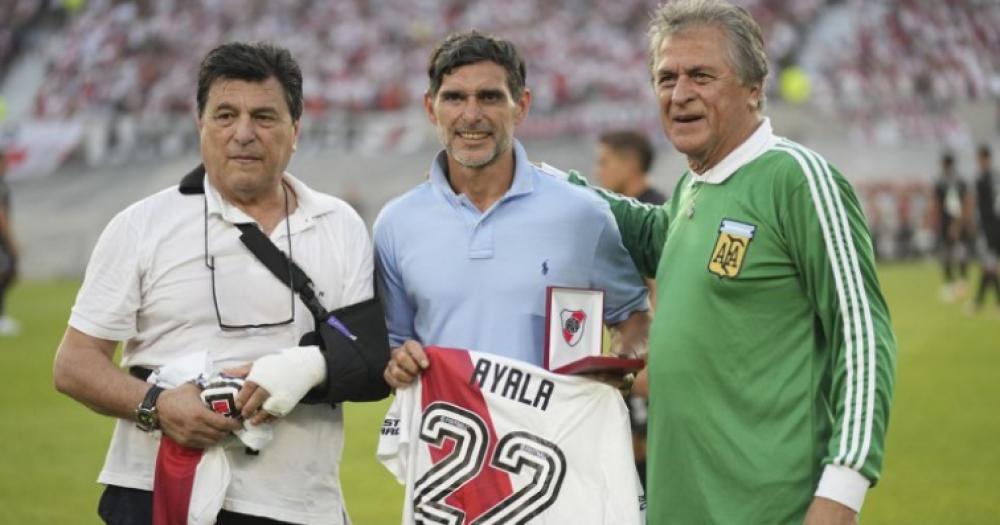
(149, 402)
(146, 417)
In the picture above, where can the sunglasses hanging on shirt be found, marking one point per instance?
(211, 265)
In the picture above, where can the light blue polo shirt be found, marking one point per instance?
(453, 276)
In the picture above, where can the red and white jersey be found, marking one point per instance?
(483, 440)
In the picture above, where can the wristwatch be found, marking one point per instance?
(146, 417)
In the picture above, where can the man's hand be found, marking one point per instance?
(185, 418)
(620, 380)
(641, 386)
(406, 364)
(630, 338)
(825, 511)
(275, 383)
(251, 397)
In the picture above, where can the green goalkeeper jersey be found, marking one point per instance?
(771, 352)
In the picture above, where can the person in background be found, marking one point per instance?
(8, 251)
(951, 206)
(988, 208)
(624, 159)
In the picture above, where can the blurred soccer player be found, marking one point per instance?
(771, 353)
(988, 207)
(8, 251)
(951, 207)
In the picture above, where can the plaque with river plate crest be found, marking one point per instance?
(574, 334)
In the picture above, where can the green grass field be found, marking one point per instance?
(942, 463)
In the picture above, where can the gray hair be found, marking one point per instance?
(746, 45)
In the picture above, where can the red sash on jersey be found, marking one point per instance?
(445, 382)
(173, 481)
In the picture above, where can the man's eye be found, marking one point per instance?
(667, 81)
(223, 118)
(451, 97)
(490, 97)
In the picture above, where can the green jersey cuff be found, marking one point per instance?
(843, 485)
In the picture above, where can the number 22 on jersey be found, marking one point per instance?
(515, 453)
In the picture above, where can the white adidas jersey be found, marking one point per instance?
(484, 440)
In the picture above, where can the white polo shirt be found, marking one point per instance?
(148, 284)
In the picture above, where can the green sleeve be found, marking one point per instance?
(643, 226)
(827, 235)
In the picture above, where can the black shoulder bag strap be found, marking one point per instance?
(354, 339)
(266, 252)
(282, 267)
(354, 363)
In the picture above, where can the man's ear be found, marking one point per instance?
(429, 108)
(523, 105)
(756, 94)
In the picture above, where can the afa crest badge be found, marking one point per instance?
(572, 325)
(731, 248)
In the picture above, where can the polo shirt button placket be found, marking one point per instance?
(481, 243)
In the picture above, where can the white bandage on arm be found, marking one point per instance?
(287, 376)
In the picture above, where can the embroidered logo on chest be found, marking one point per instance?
(731, 248)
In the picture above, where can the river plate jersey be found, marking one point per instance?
(482, 439)
(771, 352)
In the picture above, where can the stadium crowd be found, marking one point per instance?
(897, 74)
(359, 55)
(15, 18)
(906, 62)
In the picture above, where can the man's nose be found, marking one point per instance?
(683, 90)
(472, 110)
(245, 131)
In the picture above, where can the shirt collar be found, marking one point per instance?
(311, 204)
(523, 182)
(755, 145)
